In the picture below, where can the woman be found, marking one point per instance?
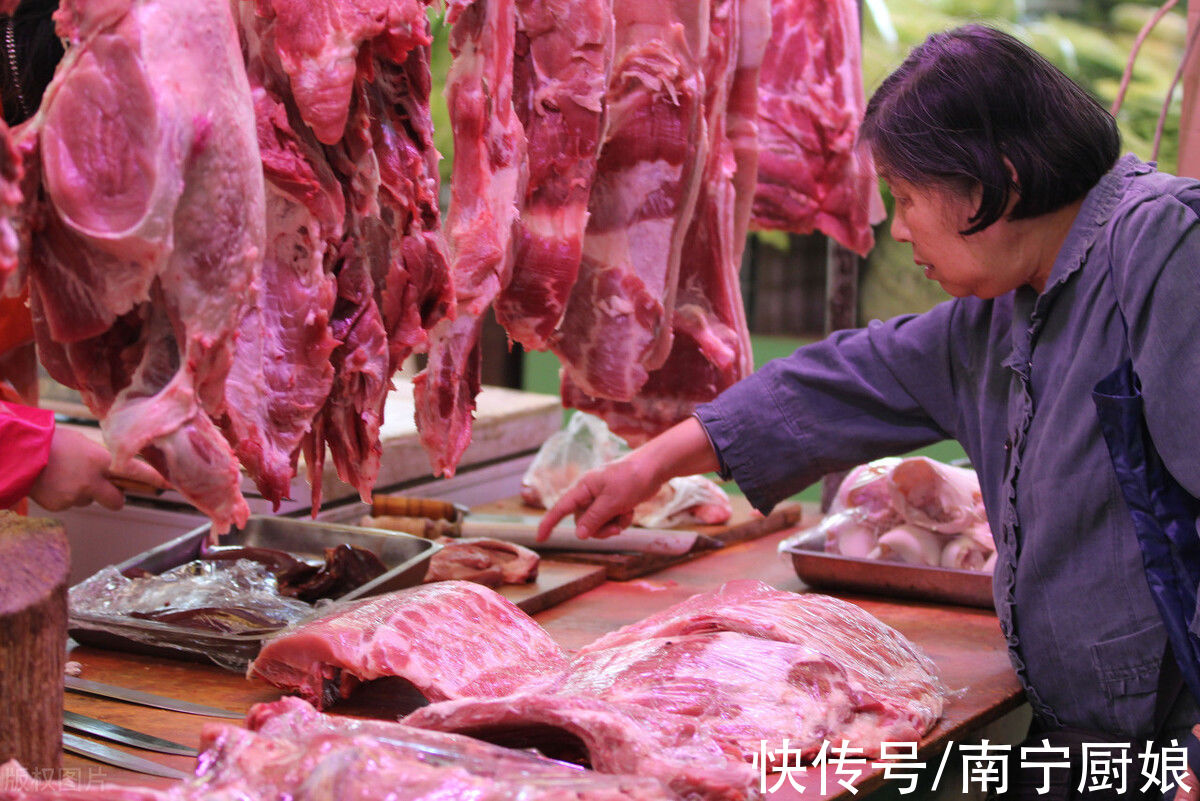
(1065, 262)
(56, 467)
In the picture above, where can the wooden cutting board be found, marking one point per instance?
(556, 582)
(744, 524)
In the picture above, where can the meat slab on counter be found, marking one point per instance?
(288, 750)
(450, 639)
(891, 688)
(686, 696)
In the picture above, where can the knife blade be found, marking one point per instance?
(111, 756)
(120, 734)
(522, 530)
(146, 699)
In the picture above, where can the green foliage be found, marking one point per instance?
(1092, 47)
(440, 65)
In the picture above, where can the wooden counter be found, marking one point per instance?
(966, 644)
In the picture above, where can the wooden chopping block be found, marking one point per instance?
(34, 563)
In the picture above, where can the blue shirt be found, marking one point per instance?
(1011, 379)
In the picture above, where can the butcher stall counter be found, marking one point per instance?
(965, 643)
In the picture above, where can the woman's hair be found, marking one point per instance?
(966, 100)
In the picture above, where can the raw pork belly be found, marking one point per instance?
(894, 690)
(810, 175)
(125, 255)
(451, 639)
(488, 183)
(563, 58)
(611, 737)
(617, 324)
(711, 348)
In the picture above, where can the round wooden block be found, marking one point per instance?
(34, 563)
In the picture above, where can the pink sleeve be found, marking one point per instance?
(25, 434)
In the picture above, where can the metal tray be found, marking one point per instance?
(826, 571)
(406, 558)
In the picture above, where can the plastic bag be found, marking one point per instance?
(585, 444)
(916, 511)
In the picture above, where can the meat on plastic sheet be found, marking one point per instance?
(586, 443)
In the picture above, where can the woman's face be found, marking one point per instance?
(984, 264)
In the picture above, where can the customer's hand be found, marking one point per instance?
(77, 473)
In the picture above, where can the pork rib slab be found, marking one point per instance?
(450, 639)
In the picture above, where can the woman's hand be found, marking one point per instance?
(77, 473)
(603, 499)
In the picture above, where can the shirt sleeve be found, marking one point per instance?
(1159, 288)
(25, 433)
(855, 396)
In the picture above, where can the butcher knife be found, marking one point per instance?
(119, 734)
(522, 530)
(145, 699)
(111, 756)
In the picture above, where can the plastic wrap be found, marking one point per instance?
(914, 511)
(585, 444)
(292, 751)
(245, 590)
(760, 663)
(219, 611)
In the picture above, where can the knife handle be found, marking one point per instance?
(404, 506)
(417, 526)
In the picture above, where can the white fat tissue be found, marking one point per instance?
(585, 444)
(916, 511)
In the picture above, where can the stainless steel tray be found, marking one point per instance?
(825, 571)
(406, 558)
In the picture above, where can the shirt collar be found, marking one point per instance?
(1097, 207)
